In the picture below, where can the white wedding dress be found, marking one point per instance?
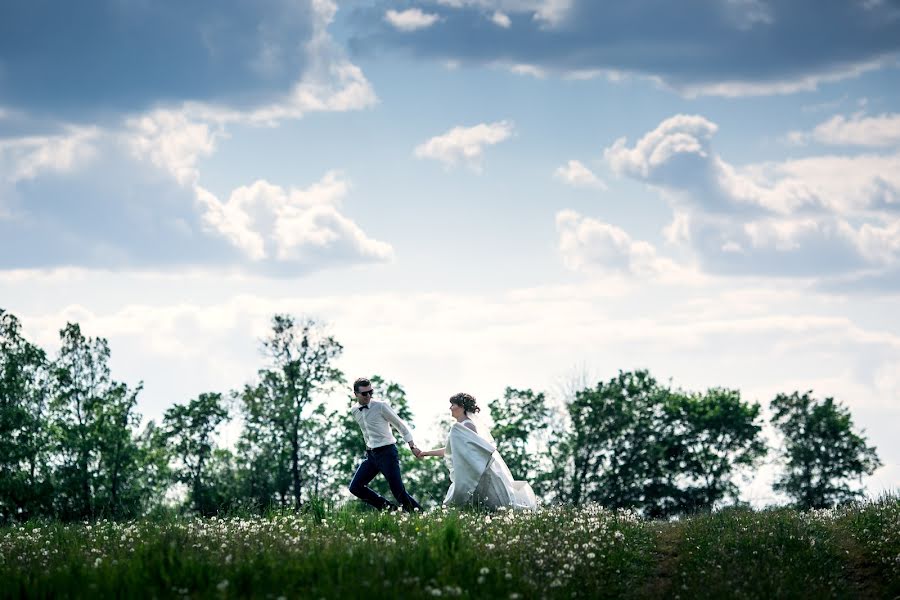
(478, 474)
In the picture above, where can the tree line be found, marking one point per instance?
(72, 446)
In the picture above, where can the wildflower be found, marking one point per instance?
(223, 585)
(484, 570)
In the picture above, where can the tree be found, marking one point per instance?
(190, 428)
(117, 487)
(716, 434)
(618, 447)
(302, 358)
(821, 452)
(93, 421)
(517, 417)
(25, 487)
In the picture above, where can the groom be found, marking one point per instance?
(375, 419)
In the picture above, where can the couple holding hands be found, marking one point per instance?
(478, 474)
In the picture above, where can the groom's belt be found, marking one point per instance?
(380, 447)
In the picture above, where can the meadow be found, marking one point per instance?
(554, 552)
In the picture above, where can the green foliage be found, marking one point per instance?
(70, 446)
(714, 435)
(636, 443)
(24, 456)
(92, 421)
(518, 417)
(189, 429)
(281, 422)
(821, 450)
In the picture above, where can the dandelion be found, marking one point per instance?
(223, 585)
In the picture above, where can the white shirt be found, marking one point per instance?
(375, 422)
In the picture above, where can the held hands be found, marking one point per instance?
(415, 450)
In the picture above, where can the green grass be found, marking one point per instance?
(554, 553)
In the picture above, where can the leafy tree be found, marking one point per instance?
(618, 444)
(518, 417)
(263, 450)
(25, 487)
(276, 411)
(93, 422)
(152, 475)
(822, 452)
(118, 490)
(190, 428)
(716, 433)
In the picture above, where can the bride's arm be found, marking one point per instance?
(435, 452)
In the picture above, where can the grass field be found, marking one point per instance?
(555, 552)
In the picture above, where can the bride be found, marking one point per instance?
(478, 473)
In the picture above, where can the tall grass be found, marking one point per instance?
(555, 552)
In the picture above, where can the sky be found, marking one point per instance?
(468, 194)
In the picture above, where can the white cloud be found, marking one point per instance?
(132, 201)
(501, 20)
(859, 130)
(528, 70)
(29, 157)
(465, 144)
(819, 216)
(574, 173)
(171, 141)
(411, 19)
(297, 226)
(591, 245)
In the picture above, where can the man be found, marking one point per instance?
(375, 419)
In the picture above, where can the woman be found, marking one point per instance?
(477, 472)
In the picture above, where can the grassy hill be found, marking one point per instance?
(556, 552)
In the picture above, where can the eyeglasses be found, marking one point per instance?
(368, 393)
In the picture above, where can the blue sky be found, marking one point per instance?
(472, 193)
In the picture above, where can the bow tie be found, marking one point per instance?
(362, 408)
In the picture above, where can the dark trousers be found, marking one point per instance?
(384, 460)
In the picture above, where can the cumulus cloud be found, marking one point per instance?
(302, 227)
(591, 245)
(574, 173)
(734, 48)
(464, 144)
(128, 194)
(826, 215)
(410, 19)
(130, 199)
(879, 131)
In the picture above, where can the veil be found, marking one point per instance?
(482, 429)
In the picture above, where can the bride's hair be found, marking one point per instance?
(467, 401)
